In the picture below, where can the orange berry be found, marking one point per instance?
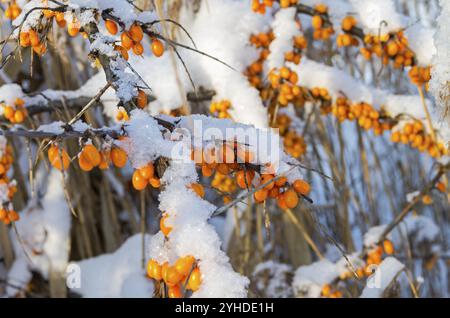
(24, 39)
(138, 49)
(118, 157)
(426, 199)
(302, 187)
(198, 189)
(122, 52)
(55, 158)
(34, 37)
(316, 22)
(388, 247)
(92, 154)
(155, 182)
(139, 182)
(194, 280)
(19, 116)
(165, 229)
(84, 162)
(207, 171)
(291, 198)
(441, 187)
(326, 290)
(73, 28)
(154, 270)
(244, 179)
(8, 112)
(40, 49)
(261, 195)
(147, 171)
(184, 265)
(136, 33)
(126, 40)
(111, 26)
(266, 178)
(171, 277)
(157, 48)
(141, 99)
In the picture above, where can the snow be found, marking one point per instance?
(45, 231)
(388, 271)
(378, 16)
(372, 236)
(118, 274)
(440, 72)
(277, 276)
(420, 40)
(309, 279)
(285, 29)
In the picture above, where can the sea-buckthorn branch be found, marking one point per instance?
(304, 9)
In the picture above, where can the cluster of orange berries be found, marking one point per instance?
(254, 71)
(7, 215)
(225, 184)
(327, 291)
(131, 40)
(15, 114)
(414, 134)
(220, 108)
(259, 6)
(420, 75)
(287, 197)
(12, 11)
(346, 39)
(88, 158)
(368, 117)
(321, 95)
(294, 56)
(294, 144)
(284, 80)
(373, 257)
(388, 47)
(144, 176)
(321, 32)
(32, 38)
(183, 275)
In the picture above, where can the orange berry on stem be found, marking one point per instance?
(184, 265)
(136, 33)
(126, 40)
(154, 270)
(147, 171)
(260, 195)
(111, 26)
(388, 247)
(195, 280)
(141, 99)
(164, 229)
(84, 162)
(118, 157)
(198, 189)
(157, 48)
(291, 198)
(302, 187)
(139, 182)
